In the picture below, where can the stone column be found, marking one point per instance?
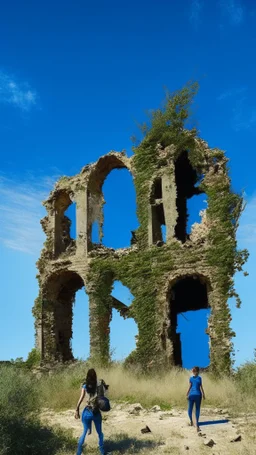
(57, 233)
(81, 222)
(150, 225)
(48, 340)
(100, 314)
(220, 333)
(169, 202)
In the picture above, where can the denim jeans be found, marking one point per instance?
(87, 418)
(194, 399)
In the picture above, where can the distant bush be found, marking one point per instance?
(33, 360)
(20, 430)
(246, 377)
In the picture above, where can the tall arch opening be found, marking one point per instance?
(119, 210)
(189, 199)
(57, 321)
(112, 217)
(123, 330)
(80, 325)
(188, 312)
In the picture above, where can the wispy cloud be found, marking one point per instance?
(246, 233)
(234, 10)
(21, 211)
(195, 12)
(17, 94)
(243, 114)
(230, 93)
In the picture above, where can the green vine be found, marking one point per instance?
(146, 271)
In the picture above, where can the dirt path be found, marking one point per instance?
(170, 432)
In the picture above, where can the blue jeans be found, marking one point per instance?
(87, 418)
(194, 399)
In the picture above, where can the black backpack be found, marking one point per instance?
(99, 402)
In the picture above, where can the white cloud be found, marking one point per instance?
(19, 95)
(195, 12)
(234, 10)
(21, 210)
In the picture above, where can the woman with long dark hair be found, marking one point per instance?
(91, 412)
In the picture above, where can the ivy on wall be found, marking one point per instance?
(147, 269)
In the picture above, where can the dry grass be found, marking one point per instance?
(61, 390)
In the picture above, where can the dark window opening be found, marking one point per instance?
(123, 331)
(157, 209)
(158, 224)
(65, 223)
(157, 192)
(187, 326)
(187, 181)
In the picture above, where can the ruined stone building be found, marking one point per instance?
(167, 274)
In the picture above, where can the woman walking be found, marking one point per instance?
(91, 412)
(194, 395)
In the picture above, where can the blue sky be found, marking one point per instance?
(75, 77)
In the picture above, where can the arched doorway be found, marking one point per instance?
(188, 313)
(57, 314)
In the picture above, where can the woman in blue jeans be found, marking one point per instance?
(194, 395)
(90, 413)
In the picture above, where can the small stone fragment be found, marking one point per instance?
(209, 443)
(145, 430)
(237, 439)
(186, 447)
(135, 408)
(155, 408)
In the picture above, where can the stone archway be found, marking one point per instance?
(186, 293)
(58, 295)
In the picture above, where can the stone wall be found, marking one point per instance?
(155, 269)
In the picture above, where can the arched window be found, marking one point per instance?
(111, 203)
(65, 223)
(189, 200)
(119, 210)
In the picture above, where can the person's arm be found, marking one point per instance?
(77, 414)
(202, 389)
(190, 385)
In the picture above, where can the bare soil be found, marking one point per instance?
(170, 431)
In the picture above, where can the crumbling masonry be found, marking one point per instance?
(166, 276)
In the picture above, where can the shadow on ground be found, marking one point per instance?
(28, 437)
(213, 422)
(124, 443)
